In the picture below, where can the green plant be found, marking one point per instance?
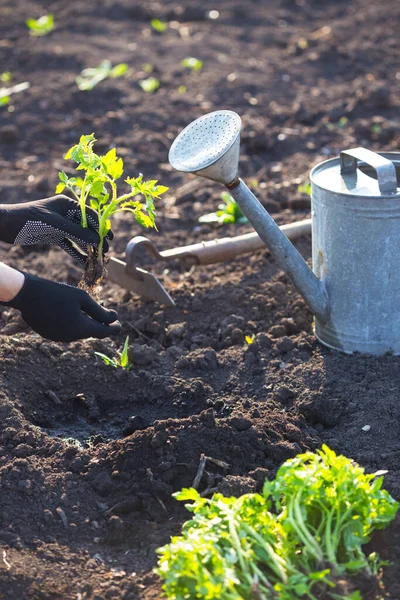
(292, 542)
(329, 507)
(304, 188)
(6, 77)
(229, 212)
(41, 26)
(89, 78)
(122, 359)
(158, 25)
(150, 85)
(99, 188)
(194, 64)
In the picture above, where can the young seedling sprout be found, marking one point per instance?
(229, 212)
(158, 25)
(150, 85)
(98, 187)
(89, 78)
(194, 64)
(41, 26)
(122, 359)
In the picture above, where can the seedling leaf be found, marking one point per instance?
(229, 212)
(150, 85)
(119, 70)
(41, 26)
(194, 64)
(124, 360)
(107, 360)
(158, 25)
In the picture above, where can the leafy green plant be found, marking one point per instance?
(122, 359)
(150, 85)
(194, 64)
(297, 539)
(41, 26)
(229, 212)
(89, 78)
(329, 507)
(99, 188)
(158, 25)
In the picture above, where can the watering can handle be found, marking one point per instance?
(385, 169)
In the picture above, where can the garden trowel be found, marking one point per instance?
(130, 276)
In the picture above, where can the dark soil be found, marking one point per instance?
(90, 455)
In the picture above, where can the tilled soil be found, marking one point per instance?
(90, 455)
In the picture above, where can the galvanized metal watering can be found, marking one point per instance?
(354, 288)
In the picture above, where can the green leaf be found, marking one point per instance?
(158, 25)
(187, 494)
(119, 70)
(41, 26)
(60, 188)
(124, 360)
(6, 77)
(150, 85)
(107, 360)
(194, 64)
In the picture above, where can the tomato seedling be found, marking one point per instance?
(98, 187)
(122, 359)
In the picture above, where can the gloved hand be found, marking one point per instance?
(53, 221)
(62, 313)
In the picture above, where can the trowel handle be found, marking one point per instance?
(214, 251)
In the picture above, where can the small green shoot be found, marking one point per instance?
(150, 85)
(122, 359)
(158, 25)
(305, 188)
(229, 212)
(249, 339)
(41, 26)
(89, 78)
(194, 64)
(98, 188)
(182, 89)
(6, 77)
(147, 68)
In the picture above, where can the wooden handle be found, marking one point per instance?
(213, 251)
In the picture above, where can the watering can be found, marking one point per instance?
(354, 288)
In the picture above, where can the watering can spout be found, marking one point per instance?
(209, 147)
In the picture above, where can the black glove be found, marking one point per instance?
(62, 313)
(53, 221)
